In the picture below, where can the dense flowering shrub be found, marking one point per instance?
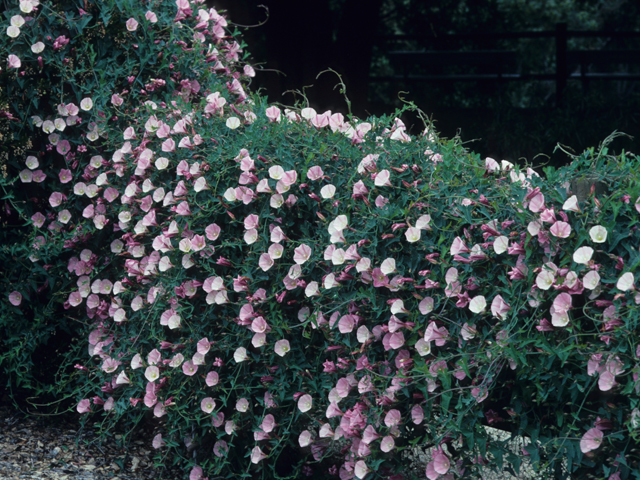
(290, 294)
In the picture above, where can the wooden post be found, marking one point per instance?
(561, 61)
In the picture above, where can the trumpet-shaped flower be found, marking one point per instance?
(598, 234)
(582, 255)
(477, 304)
(625, 282)
(591, 440)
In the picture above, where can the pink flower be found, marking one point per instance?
(305, 438)
(116, 100)
(305, 402)
(282, 347)
(591, 440)
(132, 24)
(152, 17)
(387, 444)
(169, 145)
(189, 368)
(273, 114)
(560, 229)
(315, 173)
(417, 414)
(158, 442)
(196, 473)
(183, 208)
(84, 406)
(211, 379)
(392, 418)
(207, 405)
(382, 179)
(257, 455)
(220, 448)
(499, 307)
(14, 61)
(15, 298)
(268, 423)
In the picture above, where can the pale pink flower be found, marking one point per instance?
(116, 100)
(152, 373)
(220, 448)
(441, 462)
(582, 255)
(387, 444)
(282, 347)
(382, 179)
(265, 262)
(273, 113)
(84, 406)
(189, 368)
(417, 414)
(207, 405)
(158, 442)
(212, 232)
(15, 298)
(545, 279)
(305, 402)
(56, 198)
(152, 17)
(257, 455)
(240, 355)
(477, 304)
(591, 440)
(598, 234)
(242, 405)
(388, 266)
(499, 307)
(315, 173)
(412, 234)
(560, 229)
(301, 254)
(196, 473)
(132, 25)
(625, 282)
(305, 438)
(426, 305)
(392, 418)
(169, 145)
(211, 379)
(14, 61)
(360, 469)
(571, 204)
(591, 280)
(86, 104)
(536, 204)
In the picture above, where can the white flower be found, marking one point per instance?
(477, 304)
(598, 234)
(13, 31)
(86, 104)
(233, 123)
(583, 255)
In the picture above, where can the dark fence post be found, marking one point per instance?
(561, 61)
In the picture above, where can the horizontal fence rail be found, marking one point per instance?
(498, 64)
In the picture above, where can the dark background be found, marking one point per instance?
(291, 41)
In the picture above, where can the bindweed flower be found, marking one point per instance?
(598, 234)
(132, 25)
(15, 298)
(282, 347)
(13, 61)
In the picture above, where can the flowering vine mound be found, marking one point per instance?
(288, 293)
